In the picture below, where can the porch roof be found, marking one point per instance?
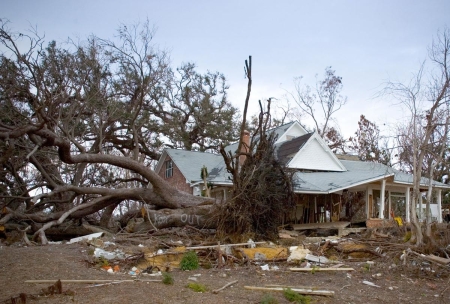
(358, 173)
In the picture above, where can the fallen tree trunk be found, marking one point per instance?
(198, 217)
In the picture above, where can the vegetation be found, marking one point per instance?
(189, 261)
(167, 278)
(268, 299)
(293, 296)
(197, 287)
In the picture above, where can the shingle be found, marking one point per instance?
(291, 147)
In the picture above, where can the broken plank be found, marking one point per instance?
(288, 286)
(86, 281)
(301, 291)
(224, 245)
(321, 269)
(326, 225)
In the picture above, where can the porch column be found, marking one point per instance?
(439, 205)
(389, 206)
(369, 195)
(407, 203)
(383, 189)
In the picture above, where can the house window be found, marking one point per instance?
(169, 168)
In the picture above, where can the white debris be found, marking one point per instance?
(85, 237)
(265, 267)
(109, 255)
(370, 284)
(297, 253)
(317, 259)
(251, 243)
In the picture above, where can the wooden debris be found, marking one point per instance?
(86, 281)
(326, 225)
(225, 286)
(437, 259)
(317, 292)
(223, 246)
(431, 258)
(284, 236)
(289, 286)
(380, 235)
(349, 248)
(264, 253)
(85, 237)
(321, 269)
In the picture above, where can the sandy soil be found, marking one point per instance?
(73, 262)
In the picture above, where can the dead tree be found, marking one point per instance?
(262, 190)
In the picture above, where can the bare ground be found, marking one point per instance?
(397, 284)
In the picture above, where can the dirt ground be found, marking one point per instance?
(19, 263)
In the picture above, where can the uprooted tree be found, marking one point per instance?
(80, 128)
(262, 188)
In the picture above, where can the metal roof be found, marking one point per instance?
(191, 162)
(321, 182)
(358, 173)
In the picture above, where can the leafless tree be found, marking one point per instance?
(322, 101)
(428, 103)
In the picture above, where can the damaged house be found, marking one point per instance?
(328, 187)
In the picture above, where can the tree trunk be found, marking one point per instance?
(195, 216)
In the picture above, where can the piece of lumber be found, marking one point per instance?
(223, 246)
(321, 269)
(289, 286)
(326, 225)
(317, 292)
(86, 281)
(430, 258)
(225, 286)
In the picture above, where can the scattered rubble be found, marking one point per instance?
(368, 257)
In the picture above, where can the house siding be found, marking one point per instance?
(177, 179)
(295, 131)
(314, 157)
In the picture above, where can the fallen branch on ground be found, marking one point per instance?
(87, 281)
(301, 291)
(321, 269)
(225, 286)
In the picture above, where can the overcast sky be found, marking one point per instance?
(366, 42)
